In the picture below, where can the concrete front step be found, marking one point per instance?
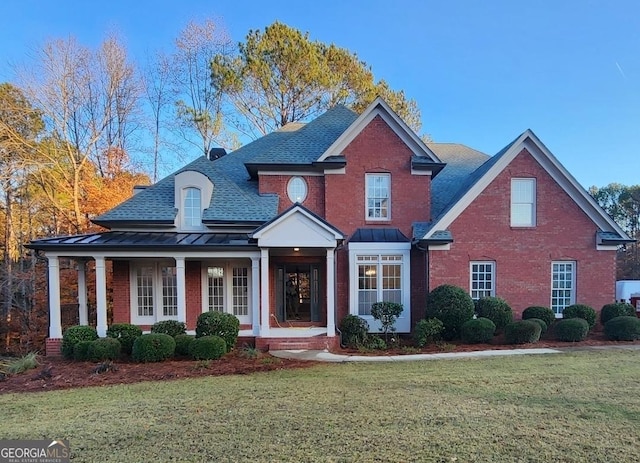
(308, 343)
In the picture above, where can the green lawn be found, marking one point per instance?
(580, 407)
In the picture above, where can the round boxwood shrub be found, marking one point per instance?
(220, 324)
(375, 343)
(571, 329)
(624, 328)
(153, 347)
(103, 349)
(354, 331)
(427, 331)
(73, 335)
(171, 327)
(495, 309)
(126, 334)
(543, 313)
(452, 306)
(522, 332)
(183, 341)
(207, 348)
(617, 309)
(543, 325)
(479, 330)
(580, 311)
(80, 350)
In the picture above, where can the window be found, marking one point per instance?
(155, 293)
(563, 287)
(297, 190)
(379, 279)
(215, 285)
(523, 202)
(483, 276)
(227, 289)
(378, 191)
(192, 209)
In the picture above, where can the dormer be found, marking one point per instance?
(193, 192)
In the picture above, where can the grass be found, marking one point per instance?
(577, 407)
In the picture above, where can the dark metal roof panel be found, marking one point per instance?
(378, 235)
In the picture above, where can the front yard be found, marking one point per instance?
(577, 407)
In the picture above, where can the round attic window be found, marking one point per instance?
(297, 189)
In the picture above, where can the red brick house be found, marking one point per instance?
(299, 228)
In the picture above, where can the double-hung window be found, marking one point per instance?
(379, 279)
(563, 285)
(192, 209)
(154, 294)
(523, 202)
(378, 197)
(483, 278)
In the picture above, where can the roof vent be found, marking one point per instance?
(216, 153)
(138, 188)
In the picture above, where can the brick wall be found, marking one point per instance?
(193, 292)
(121, 292)
(523, 256)
(278, 184)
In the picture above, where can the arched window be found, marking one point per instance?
(297, 190)
(192, 208)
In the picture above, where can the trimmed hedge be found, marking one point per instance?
(153, 347)
(581, 311)
(126, 334)
(355, 331)
(495, 309)
(624, 328)
(427, 331)
(171, 327)
(617, 309)
(183, 341)
(543, 325)
(571, 329)
(220, 324)
(452, 306)
(522, 332)
(103, 349)
(207, 348)
(479, 330)
(543, 313)
(73, 335)
(80, 351)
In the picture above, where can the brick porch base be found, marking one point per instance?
(53, 347)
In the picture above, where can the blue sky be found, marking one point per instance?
(481, 71)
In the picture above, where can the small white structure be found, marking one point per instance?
(629, 291)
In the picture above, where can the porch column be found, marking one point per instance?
(101, 296)
(255, 296)
(331, 297)
(181, 291)
(83, 309)
(264, 293)
(55, 325)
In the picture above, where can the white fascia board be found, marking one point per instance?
(421, 172)
(440, 247)
(292, 211)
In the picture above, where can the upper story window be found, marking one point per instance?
(297, 189)
(378, 196)
(192, 208)
(523, 202)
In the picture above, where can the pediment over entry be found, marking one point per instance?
(298, 227)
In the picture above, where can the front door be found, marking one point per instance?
(298, 292)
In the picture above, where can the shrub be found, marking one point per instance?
(571, 329)
(80, 351)
(580, 311)
(387, 313)
(624, 328)
(171, 327)
(479, 330)
(103, 349)
(452, 306)
(126, 334)
(543, 313)
(73, 335)
(183, 341)
(427, 331)
(220, 324)
(543, 325)
(495, 309)
(354, 331)
(375, 343)
(153, 347)
(522, 332)
(207, 348)
(22, 364)
(617, 309)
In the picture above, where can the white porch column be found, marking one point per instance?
(255, 296)
(83, 309)
(264, 293)
(331, 297)
(55, 325)
(101, 296)
(181, 290)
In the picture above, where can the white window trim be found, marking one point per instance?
(157, 292)
(493, 276)
(534, 206)
(572, 299)
(191, 179)
(227, 266)
(366, 197)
